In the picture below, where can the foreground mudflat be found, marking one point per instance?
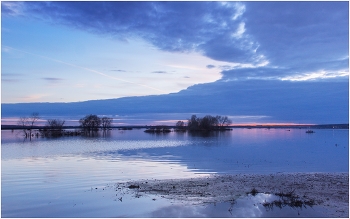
(329, 190)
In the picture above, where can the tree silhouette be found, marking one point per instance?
(106, 122)
(27, 124)
(193, 123)
(53, 128)
(206, 123)
(90, 122)
(223, 121)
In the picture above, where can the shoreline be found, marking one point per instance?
(296, 126)
(329, 190)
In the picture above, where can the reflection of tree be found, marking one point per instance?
(158, 129)
(54, 127)
(204, 134)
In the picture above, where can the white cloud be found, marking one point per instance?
(240, 31)
(13, 8)
(240, 9)
(321, 74)
(237, 6)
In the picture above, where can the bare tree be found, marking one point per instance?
(23, 121)
(53, 127)
(32, 119)
(27, 123)
(106, 122)
(55, 124)
(223, 121)
(90, 122)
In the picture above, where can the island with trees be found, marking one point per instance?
(195, 124)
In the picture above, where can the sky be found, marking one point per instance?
(79, 51)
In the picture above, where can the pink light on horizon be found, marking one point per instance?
(270, 124)
(150, 122)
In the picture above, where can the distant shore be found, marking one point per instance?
(321, 126)
(329, 190)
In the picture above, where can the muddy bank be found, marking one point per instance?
(330, 190)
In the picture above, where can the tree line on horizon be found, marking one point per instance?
(92, 123)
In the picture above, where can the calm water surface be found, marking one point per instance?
(75, 176)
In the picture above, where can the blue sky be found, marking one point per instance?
(79, 51)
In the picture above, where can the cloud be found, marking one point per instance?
(321, 74)
(118, 70)
(259, 101)
(160, 72)
(298, 36)
(273, 52)
(240, 31)
(10, 80)
(210, 66)
(11, 77)
(170, 26)
(11, 8)
(84, 68)
(283, 74)
(52, 80)
(301, 35)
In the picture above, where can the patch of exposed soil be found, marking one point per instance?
(330, 190)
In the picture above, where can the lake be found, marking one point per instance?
(76, 176)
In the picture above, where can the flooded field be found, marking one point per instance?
(77, 176)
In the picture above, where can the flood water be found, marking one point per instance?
(75, 176)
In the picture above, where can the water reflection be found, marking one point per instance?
(244, 207)
(239, 150)
(50, 177)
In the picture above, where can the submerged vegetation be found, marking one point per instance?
(54, 127)
(289, 199)
(27, 124)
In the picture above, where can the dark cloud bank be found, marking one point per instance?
(289, 34)
(302, 102)
(295, 38)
